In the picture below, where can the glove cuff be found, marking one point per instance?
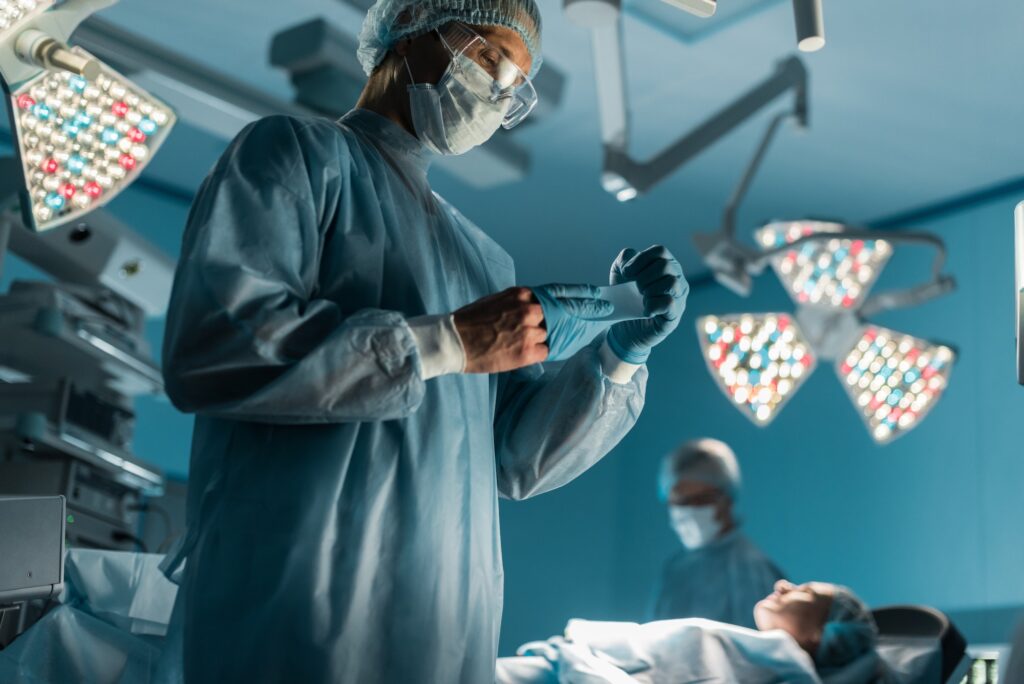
(628, 355)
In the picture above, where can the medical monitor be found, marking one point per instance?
(31, 547)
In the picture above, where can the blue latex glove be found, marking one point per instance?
(571, 316)
(660, 279)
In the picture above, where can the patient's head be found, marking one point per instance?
(828, 621)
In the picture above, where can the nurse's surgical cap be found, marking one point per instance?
(390, 21)
(849, 633)
(702, 460)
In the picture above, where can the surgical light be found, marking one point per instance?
(84, 132)
(894, 379)
(835, 272)
(761, 360)
(82, 142)
(810, 25)
(15, 13)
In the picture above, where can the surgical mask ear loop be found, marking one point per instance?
(451, 57)
(405, 60)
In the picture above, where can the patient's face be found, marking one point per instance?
(799, 609)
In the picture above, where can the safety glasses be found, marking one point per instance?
(707, 498)
(508, 80)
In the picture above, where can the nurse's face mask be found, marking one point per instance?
(694, 513)
(481, 90)
(696, 526)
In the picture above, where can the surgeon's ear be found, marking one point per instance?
(401, 48)
(724, 514)
(723, 510)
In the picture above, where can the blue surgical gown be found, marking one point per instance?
(720, 581)
(343, 512)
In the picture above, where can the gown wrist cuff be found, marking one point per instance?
(618, 371)
(439, 346)
(636, 357)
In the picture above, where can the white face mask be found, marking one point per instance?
(695, 525)
(451, 118)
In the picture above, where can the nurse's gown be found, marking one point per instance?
(721, 581)
(343, 512)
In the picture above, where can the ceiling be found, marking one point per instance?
(910, 104)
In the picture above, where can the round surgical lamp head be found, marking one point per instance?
(592, 14)
(810, 25)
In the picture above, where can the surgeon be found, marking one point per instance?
(365, 376)
(718, 574)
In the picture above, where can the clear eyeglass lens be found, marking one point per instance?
(502, 69)
(509, 81)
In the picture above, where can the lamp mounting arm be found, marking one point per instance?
(41, 43)
(626, 177)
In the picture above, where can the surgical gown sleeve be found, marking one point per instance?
(552, 425)
(247, 336)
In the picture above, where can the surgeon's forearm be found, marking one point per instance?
(362, 368)
(550, 432)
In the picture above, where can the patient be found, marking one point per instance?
(827, 621)
(808, 633)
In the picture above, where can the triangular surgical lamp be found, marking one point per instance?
(761, 360)
(84, 132)
(828, 269)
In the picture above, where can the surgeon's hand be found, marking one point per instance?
(660, 279)
(502, 332)
(572, 316)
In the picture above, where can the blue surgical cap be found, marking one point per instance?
(702, 460)
(849, 633)
(390, 21)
